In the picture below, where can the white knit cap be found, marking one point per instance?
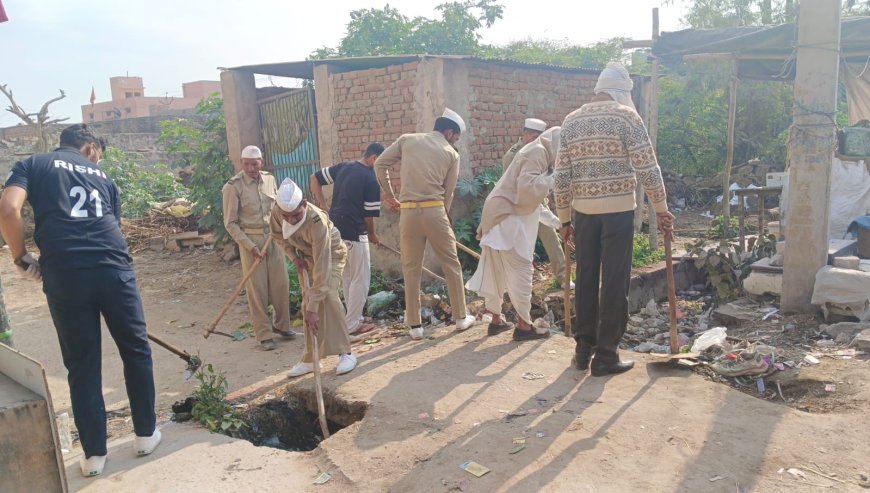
(252, 152)
(535, 124)
(615, 81)
(454, 116)
(289, 196)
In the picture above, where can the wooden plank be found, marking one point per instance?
(184, 235)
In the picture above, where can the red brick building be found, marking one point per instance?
(356, 101)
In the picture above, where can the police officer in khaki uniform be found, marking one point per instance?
(311, 241)
(248, 198)
(429, 171)
(532, 129)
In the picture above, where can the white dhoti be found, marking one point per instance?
(355, 281)
(505, 264)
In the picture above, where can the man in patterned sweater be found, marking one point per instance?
(604, 151)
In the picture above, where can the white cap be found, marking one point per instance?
(535, 124)
(454, 116)
(289, 196)
(614, 76)
(252, 152)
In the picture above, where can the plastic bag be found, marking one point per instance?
(379, 301)
(712, 337)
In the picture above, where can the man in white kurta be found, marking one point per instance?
(507, 233)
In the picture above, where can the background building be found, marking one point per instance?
(129, 100)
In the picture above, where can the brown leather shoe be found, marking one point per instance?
(614, 369)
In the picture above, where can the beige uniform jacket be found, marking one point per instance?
(429, 170)
(316, 242)
(524, 185)
(510, 154)
(247, 205)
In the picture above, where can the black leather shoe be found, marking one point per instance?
(496, 329)
(529, 335)
(582, 355)
(614, 369)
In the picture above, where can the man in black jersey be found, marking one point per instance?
(86, 271)
(356, 202)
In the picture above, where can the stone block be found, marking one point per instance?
(862, 341)
(158, 244)
(852, 263)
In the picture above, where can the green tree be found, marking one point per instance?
(558, 52)
(386, 31)
(200, 146)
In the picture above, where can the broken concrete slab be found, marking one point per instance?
(731, 316)
(861, 341)
(852, 263)
(158, 244)
(850, 329)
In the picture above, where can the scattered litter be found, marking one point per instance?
(475, 424)
(760, 385)
(552, 351)
(810, 359)
(541, 434)
(322, 478)
(297, 322)
(789, 326)
(797, 473)
(423, 416)
(518, 440)
(373, 340)
(716, 478)
(474, 468)
(238, 335)
(830, 387)
(517, 449)
(531, 375)
(377, 302)
(651, 347)
(63, 431)
(516, 414)
(849, 352)
(716, 335)
(770, 313)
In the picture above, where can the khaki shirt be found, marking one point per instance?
(429, 171)
(511, 153)
(247, 204)
(317, 242)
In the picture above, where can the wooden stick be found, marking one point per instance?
(567, 286)
(213, 326)
(672, 294)
(468, 250)
(315, 354)
(729, 154)
(436, 276)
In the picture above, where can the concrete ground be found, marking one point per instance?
(437, 403)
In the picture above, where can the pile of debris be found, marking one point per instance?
(165, 219)
(686, 191)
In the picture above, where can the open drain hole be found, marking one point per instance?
(289, 422)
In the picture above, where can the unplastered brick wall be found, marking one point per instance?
(502, 97)
(374, 105)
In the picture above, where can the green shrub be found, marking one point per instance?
(140, 187)
(211, 407)
(643, 253)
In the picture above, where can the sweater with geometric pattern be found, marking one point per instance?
(604, 150)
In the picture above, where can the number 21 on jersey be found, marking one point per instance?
(81, 195)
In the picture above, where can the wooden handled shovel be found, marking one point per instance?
(213, 326)
(315, 353)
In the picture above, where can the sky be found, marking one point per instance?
(49, 45)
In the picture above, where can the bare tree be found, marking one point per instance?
(38, 121)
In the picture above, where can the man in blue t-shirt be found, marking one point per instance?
(86, 271)
(356, 202)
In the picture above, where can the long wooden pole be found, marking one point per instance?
(654, 127)
(427, 271)
(263, 251)
(672, 294)
(468, 250)
(315, 354)
(567, 296)
(729, 157)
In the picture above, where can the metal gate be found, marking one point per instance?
(289, 126)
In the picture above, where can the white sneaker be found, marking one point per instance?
(465, 323)
(301, 368)
(346, 363)
(92, 466)
(416, 334)
(572, 284)
(146, 445)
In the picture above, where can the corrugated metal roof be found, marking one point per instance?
(305, 69)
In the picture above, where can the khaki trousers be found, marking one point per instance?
(416, 226)
(332, 328)
(268, 285)
(553, 246)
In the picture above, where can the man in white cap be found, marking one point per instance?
(507, 233)
(532, 129)
(310, 240)
(429, 171)
(604, 151)
(247, 198)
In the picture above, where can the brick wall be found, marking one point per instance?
(502, 97)
(374, 105)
